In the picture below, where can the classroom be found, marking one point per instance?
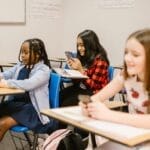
(71, 17)
(58, 22)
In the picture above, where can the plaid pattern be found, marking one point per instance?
(98, 75)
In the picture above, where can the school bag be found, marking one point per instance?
(63, 139)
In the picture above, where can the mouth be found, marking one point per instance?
(130, 66)
(24, 61)
(81, 53)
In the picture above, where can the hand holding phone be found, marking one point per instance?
(85, 99)
(68, 54)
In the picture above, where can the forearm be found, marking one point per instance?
(108, 91)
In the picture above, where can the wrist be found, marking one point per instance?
(81, 70)
(95, 98)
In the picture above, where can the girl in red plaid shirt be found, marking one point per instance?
(92, 61)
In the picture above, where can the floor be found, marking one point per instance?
(7, 142)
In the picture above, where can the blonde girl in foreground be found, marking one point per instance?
(135, 78)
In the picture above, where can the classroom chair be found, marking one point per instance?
(110, 72)
(111, 75)
(22, 141)
(54, 88)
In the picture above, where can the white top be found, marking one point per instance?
(137, 97)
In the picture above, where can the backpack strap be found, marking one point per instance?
(55, 136)
(72, 141)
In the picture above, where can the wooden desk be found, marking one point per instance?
(115, 104)
(13, 63)
(3, 64)
(59, 60)
(120, 133)
(10, 91)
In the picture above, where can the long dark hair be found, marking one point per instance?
(36, 46)
(93, 48)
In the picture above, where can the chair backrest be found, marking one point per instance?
(110, 72)
(54, 89)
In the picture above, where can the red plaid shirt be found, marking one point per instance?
(98, 75)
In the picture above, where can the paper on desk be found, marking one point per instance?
(72, 113)
(69, 73)
(109, 127)
(117, 129)
(75, 73)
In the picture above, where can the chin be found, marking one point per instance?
(131, 73)
(25, 63)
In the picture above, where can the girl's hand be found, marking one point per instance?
(75, 63)
(98, 110)
(83, 108)
(1, 77)
(3, 83)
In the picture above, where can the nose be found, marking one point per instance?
(79, 47)
(128, 58)
(22, 55)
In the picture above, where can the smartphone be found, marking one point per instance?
(68, 54)
(84, 98)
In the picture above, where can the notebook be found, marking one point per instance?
(69, 73)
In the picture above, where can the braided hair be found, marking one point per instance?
(36, 47)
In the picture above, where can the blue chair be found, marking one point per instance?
(24, 130)
(111, 72)
(111, 75)
(54, 89)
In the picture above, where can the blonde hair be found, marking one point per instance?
(143, 37)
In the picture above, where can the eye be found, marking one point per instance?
(80, 44)
(135, 55)
(24, 51)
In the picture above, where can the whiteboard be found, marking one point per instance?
(12, 11)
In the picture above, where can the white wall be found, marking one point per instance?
(49, 30)
(112, 25)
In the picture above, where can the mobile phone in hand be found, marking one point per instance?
(68, 54)
(84, 99)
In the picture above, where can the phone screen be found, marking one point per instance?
(84, 98)
(68, 54)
